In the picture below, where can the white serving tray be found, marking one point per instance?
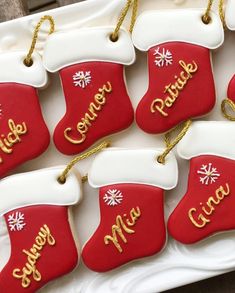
(178, 264)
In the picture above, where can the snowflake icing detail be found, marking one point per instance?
(113, 197)
(163, 58)
(16, 221)
(82, 79)
(209, 174)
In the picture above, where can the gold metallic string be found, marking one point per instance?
(171, 144)
(221, 12)
(134, 15)
(100, 147)
(28, 59)
(206, 16)
(114, 35)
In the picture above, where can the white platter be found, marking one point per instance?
(178, 264)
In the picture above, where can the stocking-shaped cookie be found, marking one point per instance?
(132, 224)
(35, 207)
(207, 206)
(181, 84)
(93, 80)
(23, 132)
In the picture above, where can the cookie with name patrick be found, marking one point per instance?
(181, 83)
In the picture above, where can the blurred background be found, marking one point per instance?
(17, 8)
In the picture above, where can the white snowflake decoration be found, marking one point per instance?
(210, 174)
(16, 221)
(82, 79)
(113, 197)
(163, 58)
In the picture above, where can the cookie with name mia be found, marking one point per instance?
(131, 191)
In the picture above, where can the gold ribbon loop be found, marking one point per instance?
(100, 147)
(227, 103)
(170, 145)
(28, 59)
(221, 12)
(114, 35)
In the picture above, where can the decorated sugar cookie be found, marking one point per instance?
(181, 83)
(93, 80)
(35, 207)
(23, 132)
(207, 206)
(131, 186)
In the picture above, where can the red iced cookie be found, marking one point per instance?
(207, 206)
(131, 193)
(36, 211)
(181, 84)
(92, 72)
(23, 132)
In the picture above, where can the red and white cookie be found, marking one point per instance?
(181, 83)
(131, 187)
(36, 211)
(208, 205)
(23, 132)
(91, 67)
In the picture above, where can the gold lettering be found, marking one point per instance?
(44, 237)
(25, 280)
(117, 229)
(90, 116)
(73, 141)
(7, 141)
(155, 106)
(173, 90)
(135, 214)
(221, 193)
(100, 99)
(211, 203)
(201, 218)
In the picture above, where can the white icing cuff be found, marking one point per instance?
(183, 25)
(115, 166)
(230, 14)
(90, 44)
(12, 69)
(208, 138)
(38, 188)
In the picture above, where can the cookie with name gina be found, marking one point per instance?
(207, 207)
